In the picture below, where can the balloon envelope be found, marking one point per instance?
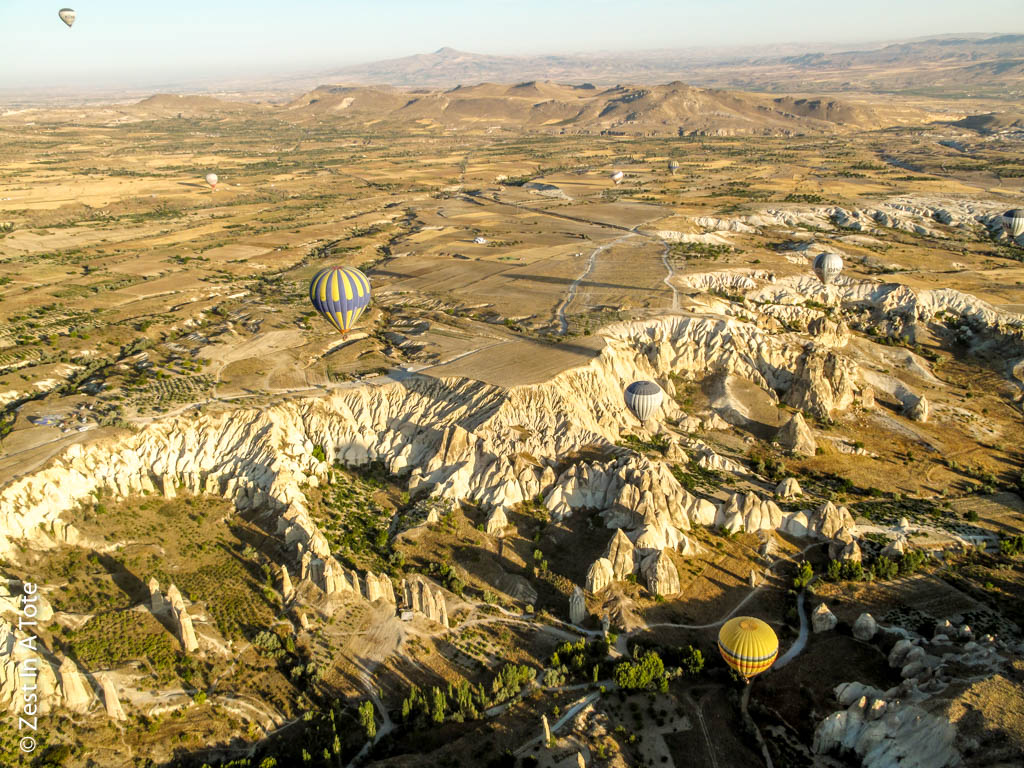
(748, 645)
(673, 165)
(67, 15)
(211, 179)
(1013, 223)
(618, 176)
(827, 267)
(340, 294)
(643, 398)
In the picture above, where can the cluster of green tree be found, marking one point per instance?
(356, 526)
(769, 466)
(574, 662)
(324, 739)
(1012, 545)
(881, 569)
(699, 250)
(687, 659)
(463, 701)
(804, 574)
(796, 197)
(655, 443)
(114, 638)
(446, 574)
(647, 673)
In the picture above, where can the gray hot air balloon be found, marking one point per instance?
(673, 166)
(618, 176)
(67, 15)
(211, 179)
(1013, 223)
(643, 398)
(827, 267)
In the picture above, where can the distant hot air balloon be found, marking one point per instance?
(211, 179)
(340, 294)
(1013, 223)
(748, 645)
(643, 398)
(827, 267)
(618, 176)
(673, 166)
(67, 15)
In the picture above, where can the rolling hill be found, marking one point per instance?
(951, 65)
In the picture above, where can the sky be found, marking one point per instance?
(134, 42)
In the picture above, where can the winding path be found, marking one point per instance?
(570, 715)
(563, 323)
(740, 604)
(709, 744)
(801, 640)
(671, 272)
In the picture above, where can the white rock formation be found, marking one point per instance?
(422, 596)
(287, 590)
(660, 574)
(76, 693)
(497, 522)
(179, 614)
(829, 521)
(577, 606)
(797, 437)
(110, 699)
(844, 547)
(865, 627)
(262, 458)
(600, 575)
(917, 409)
(788, 489)
(888, 735)
(622, 555)
(749, 512)
(822, 619)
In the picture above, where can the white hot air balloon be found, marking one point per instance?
(643, 398)
(618, 176)
(211, 179)
(67, 15)
(1013, 223)
(827, 267)
(673, 166)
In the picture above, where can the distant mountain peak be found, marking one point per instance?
(447, 51)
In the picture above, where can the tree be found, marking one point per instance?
(367, 720)
(693, 661)
(885, 568)
(438, 704)
(647, 673)
(803, 575)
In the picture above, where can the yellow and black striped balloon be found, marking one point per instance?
(340, 294)
(748, 645)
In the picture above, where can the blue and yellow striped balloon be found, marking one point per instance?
(340, 294)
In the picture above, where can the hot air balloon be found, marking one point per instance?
(618, 176)
(1013, 223)
(827, 267)
(748, 645)
(643, 398)
(673, 166)
(67, 15)
(340, 294)
(211, 179)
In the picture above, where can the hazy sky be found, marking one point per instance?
(147, 41)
